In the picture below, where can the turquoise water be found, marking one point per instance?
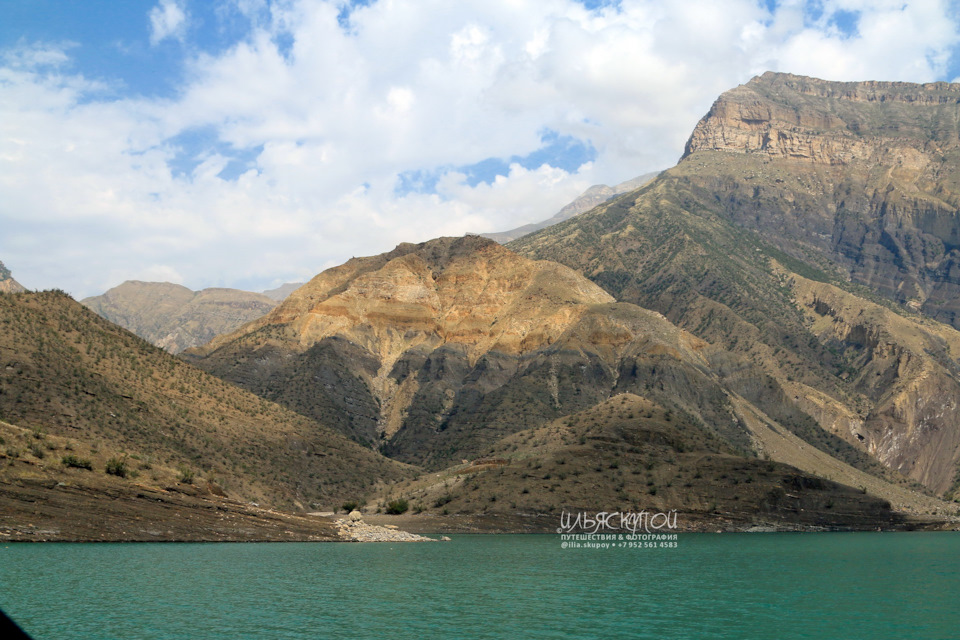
(850, 585)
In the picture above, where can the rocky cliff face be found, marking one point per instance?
(831, 123)
(863, 175)
(907, 368)
(7, 283)
(836, 182)
(175, 318)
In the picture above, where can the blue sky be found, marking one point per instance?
(249, 142)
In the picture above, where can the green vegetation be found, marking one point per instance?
(186, 475)
(398, 506)
(117, 467)
(73, 461)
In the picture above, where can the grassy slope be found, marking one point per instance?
(64, 371)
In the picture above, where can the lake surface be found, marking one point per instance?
(843, 585)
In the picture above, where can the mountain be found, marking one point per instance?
(7, 283)
(175, 318)
(280, 293)
(434, 352)
(587, 200)
(784, 235)
(80, 396)
(862, 176)
(382, 346)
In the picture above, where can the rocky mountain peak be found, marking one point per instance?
(831, 123)
(174, 317)
(438, 347)
(468, 290)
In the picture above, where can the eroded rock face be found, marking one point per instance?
(906, 367)
(432, 351)
(855, 182)
(831, 123)
(7, 283)
(867, 175)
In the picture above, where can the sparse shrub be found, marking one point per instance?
(350, 505)
(73, 461)
(37, 451)
(117, 467)
(398, 506)
(186, 475)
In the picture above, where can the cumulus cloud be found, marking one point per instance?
(167, 20)
(285, 152)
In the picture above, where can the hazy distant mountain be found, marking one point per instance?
(587, 200)
(7, 283)
(789, 188)
(281, 292)
(175, 318)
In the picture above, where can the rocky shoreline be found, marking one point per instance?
(354, 529)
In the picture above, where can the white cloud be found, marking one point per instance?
(167, 20)
(93, 190)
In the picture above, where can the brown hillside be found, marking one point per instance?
(66, 372)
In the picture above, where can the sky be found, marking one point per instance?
(247, 143)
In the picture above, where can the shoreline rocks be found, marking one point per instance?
(354, 529)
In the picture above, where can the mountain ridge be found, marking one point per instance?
(174, 317)
(451, 393)
(587, 200)
(701, 244)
